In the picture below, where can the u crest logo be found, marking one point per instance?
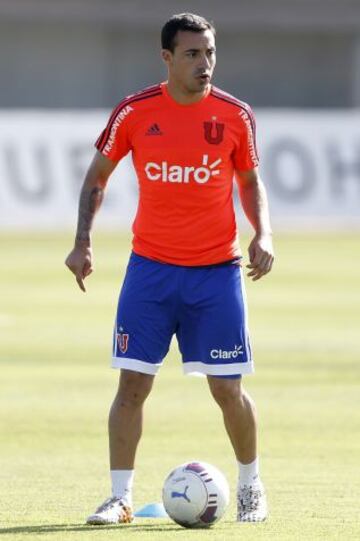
(123, 340)
(214, 132)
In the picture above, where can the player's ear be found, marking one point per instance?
(166, 55)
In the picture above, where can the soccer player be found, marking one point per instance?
(188, 140)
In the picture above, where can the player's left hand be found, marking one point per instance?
(261, 255)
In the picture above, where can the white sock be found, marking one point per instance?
(249, 473)
(121, 484)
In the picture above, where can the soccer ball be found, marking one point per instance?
(195, 495)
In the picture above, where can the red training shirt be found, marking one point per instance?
(184, 157)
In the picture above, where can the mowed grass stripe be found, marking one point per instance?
(55, 390)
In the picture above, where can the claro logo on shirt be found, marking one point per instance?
(183, 174)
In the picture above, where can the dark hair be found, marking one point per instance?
(186, 22)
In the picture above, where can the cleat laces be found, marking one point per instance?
(109, 504)
(249, 499)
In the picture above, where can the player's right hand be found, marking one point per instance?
(79, 261)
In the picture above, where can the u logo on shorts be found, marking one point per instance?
(122, 340)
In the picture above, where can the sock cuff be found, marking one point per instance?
(122, 483)
(249, 473)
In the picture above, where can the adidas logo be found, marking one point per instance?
(154, 130)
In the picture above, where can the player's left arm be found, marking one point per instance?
(255, 204)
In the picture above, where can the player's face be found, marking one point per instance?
(192, 63)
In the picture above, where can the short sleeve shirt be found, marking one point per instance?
(184, 157)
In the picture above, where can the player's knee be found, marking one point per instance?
(134, 388)
(225, 391)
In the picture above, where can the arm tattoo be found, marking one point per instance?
(88, 206)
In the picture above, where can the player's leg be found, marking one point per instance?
(143, 330)
(239, 415)
(125, 428)
(126, 418)
(214, 340)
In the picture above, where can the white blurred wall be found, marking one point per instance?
(310, 163)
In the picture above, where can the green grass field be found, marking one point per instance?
(56, 387)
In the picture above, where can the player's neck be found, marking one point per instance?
(182, 96)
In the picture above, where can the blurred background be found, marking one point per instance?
(65, 65)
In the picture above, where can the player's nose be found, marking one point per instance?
(204, 63)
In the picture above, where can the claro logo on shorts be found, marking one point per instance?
(183, 174)
(222, 354)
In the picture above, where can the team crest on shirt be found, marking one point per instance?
(213, 131)
(122, 340)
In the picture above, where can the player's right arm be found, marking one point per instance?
(80, 259)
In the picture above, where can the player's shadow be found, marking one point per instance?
(49, 528)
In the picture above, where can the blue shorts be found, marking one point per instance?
(204, 306)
